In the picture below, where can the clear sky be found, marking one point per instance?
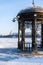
(9, 9)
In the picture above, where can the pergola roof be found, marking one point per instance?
(31, 9)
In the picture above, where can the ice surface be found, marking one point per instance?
(8, 42)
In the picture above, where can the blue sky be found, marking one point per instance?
(9, 9)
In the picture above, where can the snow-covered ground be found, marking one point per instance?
(10, 56)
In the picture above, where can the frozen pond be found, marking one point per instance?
(9, 54)
(12, 42)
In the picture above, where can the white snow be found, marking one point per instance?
(9, 57)
(19, 63)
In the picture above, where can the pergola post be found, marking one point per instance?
(32, 36)
(18, 35)
(23, 35)
(34, 44)
(42, 34)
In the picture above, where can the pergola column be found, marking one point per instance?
(23, 35)
(42, 34)
(34, 44)
(18, 35)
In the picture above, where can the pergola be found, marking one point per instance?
(32, 14)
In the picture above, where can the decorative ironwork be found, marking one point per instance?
(33, 3)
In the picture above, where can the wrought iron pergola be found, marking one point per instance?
(32, 14)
